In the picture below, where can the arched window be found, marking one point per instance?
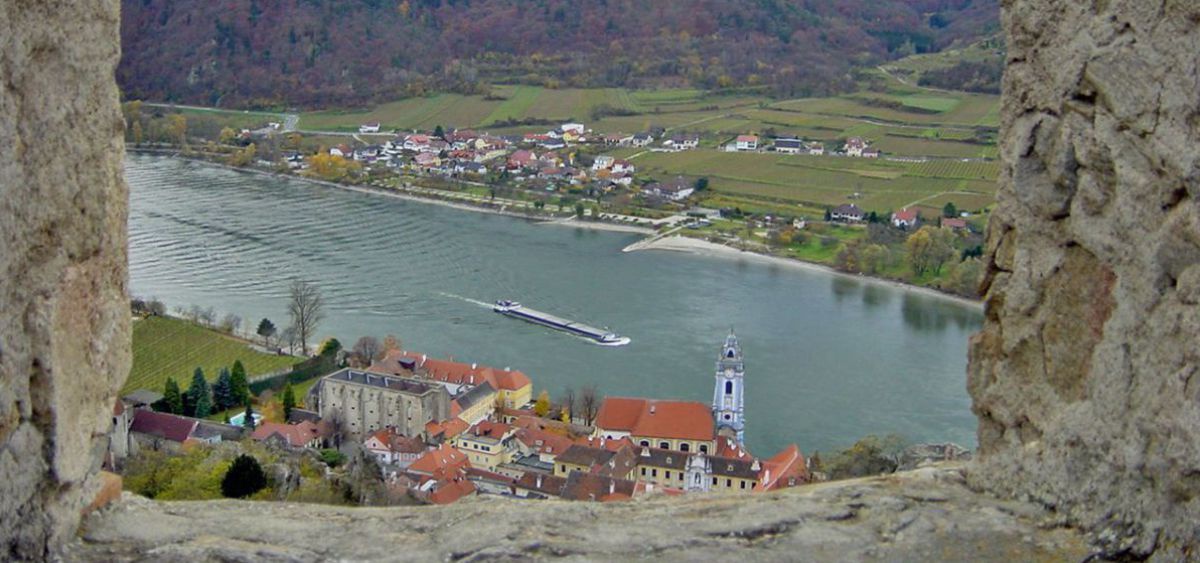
(664, 445)
(684, 447)
(703, 448)
(728, 387)
(644, 443)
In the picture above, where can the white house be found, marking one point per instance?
(623, 167)
(905, 218)
(815, 148)
(746, 143)
(682, 142)
(641, 139)
(369, 128)
(855, 146)
(576, 128)
(603, 162)
(675, 190)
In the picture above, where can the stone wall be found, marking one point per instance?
(1084, 377)
(64, 316)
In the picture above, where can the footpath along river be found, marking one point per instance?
(828, 358)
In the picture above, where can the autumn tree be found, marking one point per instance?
(332, 167)
(227, 136)
(177, 129)
(928, 249)
(542, 406)
(390, 343)
(242, 157)
(307, 308)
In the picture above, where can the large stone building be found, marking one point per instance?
(364, 402)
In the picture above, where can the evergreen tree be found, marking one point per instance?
(248, 418)
(949, 210)
(199, 395)
(330, 347)
(266, 329)
(289, 400)
(172, 399)
(239, 389)
(222, 391)
(828, 216)
(244, 478)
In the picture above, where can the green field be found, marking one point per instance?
(814, 182)
(168, 347)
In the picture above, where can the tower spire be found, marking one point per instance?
(728, 393)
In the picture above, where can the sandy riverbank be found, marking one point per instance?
(599, 226)
(679, 243)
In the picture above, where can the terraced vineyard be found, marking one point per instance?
(168, 347)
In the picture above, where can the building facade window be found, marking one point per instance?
(685, 447)
(664, 445)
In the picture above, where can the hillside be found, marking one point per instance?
(320, 53)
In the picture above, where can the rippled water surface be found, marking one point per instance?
(828, 358)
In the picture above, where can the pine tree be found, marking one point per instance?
(172, 399)
(248, 417)
(289, 400)
(244, 478)
(199, 395)
(239, 389)
(222, 391)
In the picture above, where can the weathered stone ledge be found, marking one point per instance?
(921, 515)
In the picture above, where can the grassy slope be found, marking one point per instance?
(168, 347)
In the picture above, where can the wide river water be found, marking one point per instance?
(829, 359)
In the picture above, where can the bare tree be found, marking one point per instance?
(307, 308)
(367, 349)
(230, 323)
(569, 401)
(589, 404)
(289, 336)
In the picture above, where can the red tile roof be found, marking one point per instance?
(296, 435)
(543, 442)
(906, 214)
(747, 139)
(440, 460)
(446, 429)
(681, 420)
(167, 426)
(586, 486)
(451, 488)
(786, 469)
(397, 442)
(954, 223)
(489, 429)
(448, 371)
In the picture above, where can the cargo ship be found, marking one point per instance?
(601, 337)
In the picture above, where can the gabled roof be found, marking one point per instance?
(488, 429)
(789, 143)
(447, 429)
(549, 485)
(448, 371)
(747, 138)
(906, 214)
(682, 420)
(587, 486)
(167, 426)
(398, 443)
(296, 435)
(450, 488)
(439, 460)
(785, 469)
(543, 442)
(662, 458)
(474, 395)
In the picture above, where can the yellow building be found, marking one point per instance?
(619, 464)
(487, 444)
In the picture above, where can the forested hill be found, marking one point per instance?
(344, 52)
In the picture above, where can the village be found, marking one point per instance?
(440, 430)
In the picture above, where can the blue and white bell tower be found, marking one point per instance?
(728, 395)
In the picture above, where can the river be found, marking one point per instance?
(829, 359)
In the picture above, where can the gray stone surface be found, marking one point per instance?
(924, 515)
(1084, 377)
(64, 317)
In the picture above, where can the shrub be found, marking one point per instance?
(244, 478)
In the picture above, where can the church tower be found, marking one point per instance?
(728, 404)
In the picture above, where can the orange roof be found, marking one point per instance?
(440, 460)
(451, 488)
(297, 435)
(446, 428)
(448, 371)
(681, 420)
(543, 442)
(610, 445)
(397, 442)
(786, 469)
(490, 429)
(729, 448)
